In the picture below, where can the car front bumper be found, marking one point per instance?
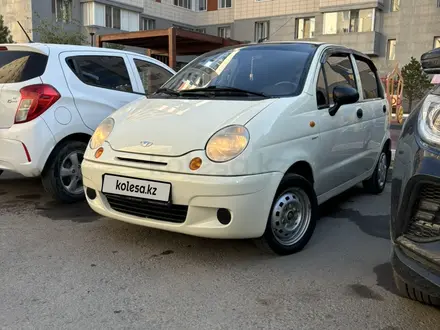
(415, 211)
(248, 199)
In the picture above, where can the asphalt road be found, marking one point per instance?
(64, 267)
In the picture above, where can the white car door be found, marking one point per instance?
(151, 74)
(375, 110)
(100, 82)
(341, 135)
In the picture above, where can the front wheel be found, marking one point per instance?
(62, 178)
(292, 218)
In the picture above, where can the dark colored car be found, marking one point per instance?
(415, 197)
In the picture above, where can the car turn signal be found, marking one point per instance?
(195, 163)
(99, 152)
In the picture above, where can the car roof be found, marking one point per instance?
(319, 44)
(59, 48)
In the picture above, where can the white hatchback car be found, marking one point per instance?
(52, 98)
(244, 142)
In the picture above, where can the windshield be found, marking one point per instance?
(271, 70)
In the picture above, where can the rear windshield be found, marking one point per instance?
(18, 66)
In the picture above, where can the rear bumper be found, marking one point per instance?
(33, 137)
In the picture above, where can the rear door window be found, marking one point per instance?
(102, 71)
(151, 75)
(19, 66)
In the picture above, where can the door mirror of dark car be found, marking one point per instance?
(343, 95)
(431, 61)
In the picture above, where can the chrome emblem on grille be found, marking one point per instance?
(146, 144)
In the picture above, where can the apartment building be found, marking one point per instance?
(389, 31)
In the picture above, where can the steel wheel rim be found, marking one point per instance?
(291, 216)
(382, 170)
(70, 173)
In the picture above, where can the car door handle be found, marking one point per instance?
(384, 108)
(359, 113)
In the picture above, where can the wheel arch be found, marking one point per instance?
(302, 168)
(82, 137)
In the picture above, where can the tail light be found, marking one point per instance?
(35, 100)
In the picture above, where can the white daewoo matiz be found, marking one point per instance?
(244, 142)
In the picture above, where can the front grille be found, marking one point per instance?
(425, 215)
(148, 209)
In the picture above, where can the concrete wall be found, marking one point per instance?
(17, 10)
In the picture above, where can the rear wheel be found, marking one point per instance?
(376, 183)
(292, 218)
(408, 291)
(62, 177)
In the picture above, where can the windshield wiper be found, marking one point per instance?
(223, 89)
(168, 91)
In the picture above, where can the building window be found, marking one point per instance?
(148, 24)
(436, 42)
(391, 49)
(261, 32)
(112, 17)
(183, 3)
(224, 32)
(395, 5)
(224, 3)
(116, 18)
(202, 5)
(305, 28)
(63, 10)
(359, 20)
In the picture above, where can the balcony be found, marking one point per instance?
(336, 5)
(365, 42)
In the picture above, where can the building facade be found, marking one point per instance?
(390, 31)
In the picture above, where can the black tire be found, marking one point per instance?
(373, 185)
(269, 242)
(408, 291)
(51, 178)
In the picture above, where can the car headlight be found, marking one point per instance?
(429, 122)
(227, 143)
(101, 133)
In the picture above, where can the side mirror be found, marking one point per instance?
(431, 61)
(343, 95)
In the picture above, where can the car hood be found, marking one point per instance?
(173, 127)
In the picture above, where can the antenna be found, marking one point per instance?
(25, 33)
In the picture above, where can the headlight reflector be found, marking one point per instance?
(227, 143)
(429, 122)
(101, 133)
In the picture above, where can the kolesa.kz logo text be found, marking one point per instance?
(127, 186)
